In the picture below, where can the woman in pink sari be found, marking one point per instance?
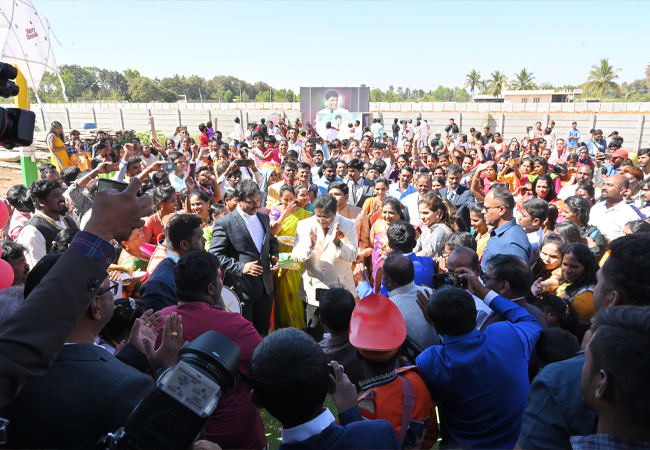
(391, 212)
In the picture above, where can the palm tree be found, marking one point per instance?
(498, 81)
(601, 77)
(523, 81)
(473, 80)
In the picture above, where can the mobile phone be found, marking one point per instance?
(330, 369)
(411, 349)
(449, 279)
(105, 184)
(169, 167)
(243, 162)
(515, 161)
(608, 157)
(313, 140)
(379, 145)
(319, 293)
(191, 169)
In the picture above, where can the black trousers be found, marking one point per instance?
(314, 327)
(258, 312)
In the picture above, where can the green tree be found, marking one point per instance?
(626, 90)
(601, 77)
(113, 85)
(473, 80)
(130, 74)
(442, 94)
(78, 80)
(461, 96)
(262, 96)
(496, 83)
(523, 81)
(144, 90)
(284, 95)
(376, 95)
(245, 97)
(227, 96)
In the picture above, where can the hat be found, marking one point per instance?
(620, 153)
(439, 133)
(613, 133)
(377, 328)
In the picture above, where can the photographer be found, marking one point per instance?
(482, 409)
(236, 423)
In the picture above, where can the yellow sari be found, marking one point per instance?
(59, 157)
(288, 307)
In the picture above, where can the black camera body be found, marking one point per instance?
(452, 279)
(167, 418)
(16, 125)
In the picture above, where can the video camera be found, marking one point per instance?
(17, 124)
(177, 408)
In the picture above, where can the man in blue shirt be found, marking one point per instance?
(401, 239)
(573, 137)
(481, 379)
(329, 176)
(506, 237)
(596, 144)
(403, 187)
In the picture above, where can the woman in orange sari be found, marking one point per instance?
(373, 205)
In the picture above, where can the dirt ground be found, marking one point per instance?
(9, 177)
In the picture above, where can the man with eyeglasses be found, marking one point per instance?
(506, 237)
(480, 378)
(327, 245)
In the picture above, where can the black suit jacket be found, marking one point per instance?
(159, 291)
(367, 191)
(234, 246)
(463, 201)
(86, 393)
(33, 335)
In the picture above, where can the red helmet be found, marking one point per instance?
(377, 324)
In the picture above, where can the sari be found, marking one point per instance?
(126, 259)
(373, 206)
(59, 157)
(379, 238)
(288, 307)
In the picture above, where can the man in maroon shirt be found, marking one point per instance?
(236, 423)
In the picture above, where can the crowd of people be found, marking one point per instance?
(437, 284)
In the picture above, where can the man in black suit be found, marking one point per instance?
(248, 252)
(459, 196)
(184, 234)
(360, 188)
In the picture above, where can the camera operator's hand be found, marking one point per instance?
(118, 213)
(473, 283)
(345, 395)
(172, 341)
(600, 158)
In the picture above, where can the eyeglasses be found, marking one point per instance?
(257, 203)
(487, 208)
(324, 219)
(485, 278)
(112, 287)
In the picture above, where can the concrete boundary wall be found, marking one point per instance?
(510, 119)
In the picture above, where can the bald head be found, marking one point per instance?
(398, 271)
(463, 257)
(614, 188)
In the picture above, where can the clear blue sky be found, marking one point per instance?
(326, 43)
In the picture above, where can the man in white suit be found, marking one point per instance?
(327, 245)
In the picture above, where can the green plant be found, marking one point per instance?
(145, 138)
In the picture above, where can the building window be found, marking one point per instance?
(524, 100)
(536, 100)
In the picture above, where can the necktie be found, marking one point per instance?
(450, 195)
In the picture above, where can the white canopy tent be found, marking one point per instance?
(25, 42)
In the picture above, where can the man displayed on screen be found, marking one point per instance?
(332, 104)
